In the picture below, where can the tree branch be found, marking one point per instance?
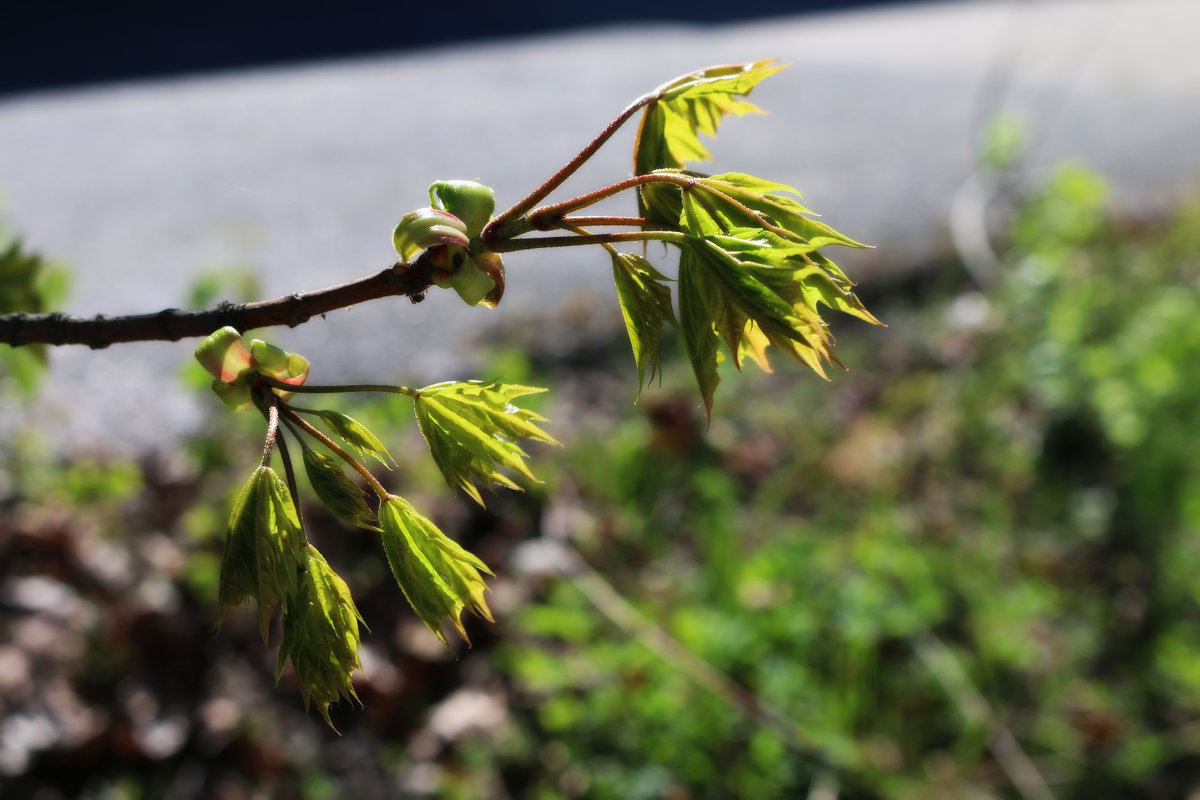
(172, 324)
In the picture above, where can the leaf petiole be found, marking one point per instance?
(577, 240)
(337, 450)
(495, 230)
(338, 389)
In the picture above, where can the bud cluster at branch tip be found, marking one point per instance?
(234, 364)
(449, 230)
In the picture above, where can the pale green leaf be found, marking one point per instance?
(646, 306)
(320, 634)
(239, 557)
(355, 434)
(472, 429)
(766, 198)
(690, 105)
(437, 575)
(698, 302)
(261, 544)
(336, 491)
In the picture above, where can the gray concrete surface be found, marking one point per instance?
(300, 173)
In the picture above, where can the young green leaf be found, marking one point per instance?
(750, 306)
(770, 200)
(261, 546)
(355, 434)
(472, 428)
(698, 304)
(694, 104)
(339, 494)
(645, 305)
(320, 635)
(437, 575)
(239, 558)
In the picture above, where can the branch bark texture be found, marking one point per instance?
(173, 324)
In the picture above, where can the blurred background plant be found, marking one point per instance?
(967, 568)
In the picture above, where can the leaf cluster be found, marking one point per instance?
(473, 429)
(751, 279)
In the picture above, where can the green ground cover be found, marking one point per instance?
(967, 568)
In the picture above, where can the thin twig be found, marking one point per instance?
(305, 388)
(495, 230)
(172, 324)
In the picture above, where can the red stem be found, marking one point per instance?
(495, 229)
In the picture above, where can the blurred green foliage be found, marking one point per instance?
(992, 523)
(27, 283)
(1008, 475)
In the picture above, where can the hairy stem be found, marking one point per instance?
(272, 414)
(627, 222)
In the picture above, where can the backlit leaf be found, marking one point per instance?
(320, 635)
(261, 545)
(355, 434)
(438, 576)
(339, 494)
(646, 306)
(694, 104)
(698, 302)
(472, 428)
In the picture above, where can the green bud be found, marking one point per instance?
(225, 354)
(268, 358)
(447, 260)
(235, 395)
(279, 364)
(471, 202)
(472, 283)
(426, 227)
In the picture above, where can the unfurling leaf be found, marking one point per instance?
(225, 355)
(279, 364)
(339, 494)
(646, 306)
(438, 576)
(751, 273)
(694, 104)
(355, 434)
(320, 634)
(261, 547)
(427, 227)
(472, 428)
(470, 201)
(235, 362)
